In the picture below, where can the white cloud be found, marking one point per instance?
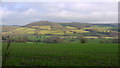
(91, 17)
(5, 12)
(62, 12)
(30, 11)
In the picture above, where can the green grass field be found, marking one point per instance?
(63, 54)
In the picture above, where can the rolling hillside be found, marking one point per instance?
(59, 29)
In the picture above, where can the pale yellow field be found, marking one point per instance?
(80, 31)
(95, 37)
(109, 37)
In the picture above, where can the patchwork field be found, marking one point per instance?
(62, 54)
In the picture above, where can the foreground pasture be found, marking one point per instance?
(62, 54)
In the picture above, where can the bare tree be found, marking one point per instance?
(7, 49)
(36, 33)
(51, 27)
(64, 30)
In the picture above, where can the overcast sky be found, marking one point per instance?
(21, 13)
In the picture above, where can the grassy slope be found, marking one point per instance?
(62, 54)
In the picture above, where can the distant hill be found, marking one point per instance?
(107, 25)
(44, 23)
(76, 24)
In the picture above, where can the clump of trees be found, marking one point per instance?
(111, 41)
(105, 41)
(53, 40)
(82, 39)
(101, 37)
(21, 39)
(116, 41)
(4, 39)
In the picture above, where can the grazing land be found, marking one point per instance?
(62, 54)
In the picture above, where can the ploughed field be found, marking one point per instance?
(62, 54)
